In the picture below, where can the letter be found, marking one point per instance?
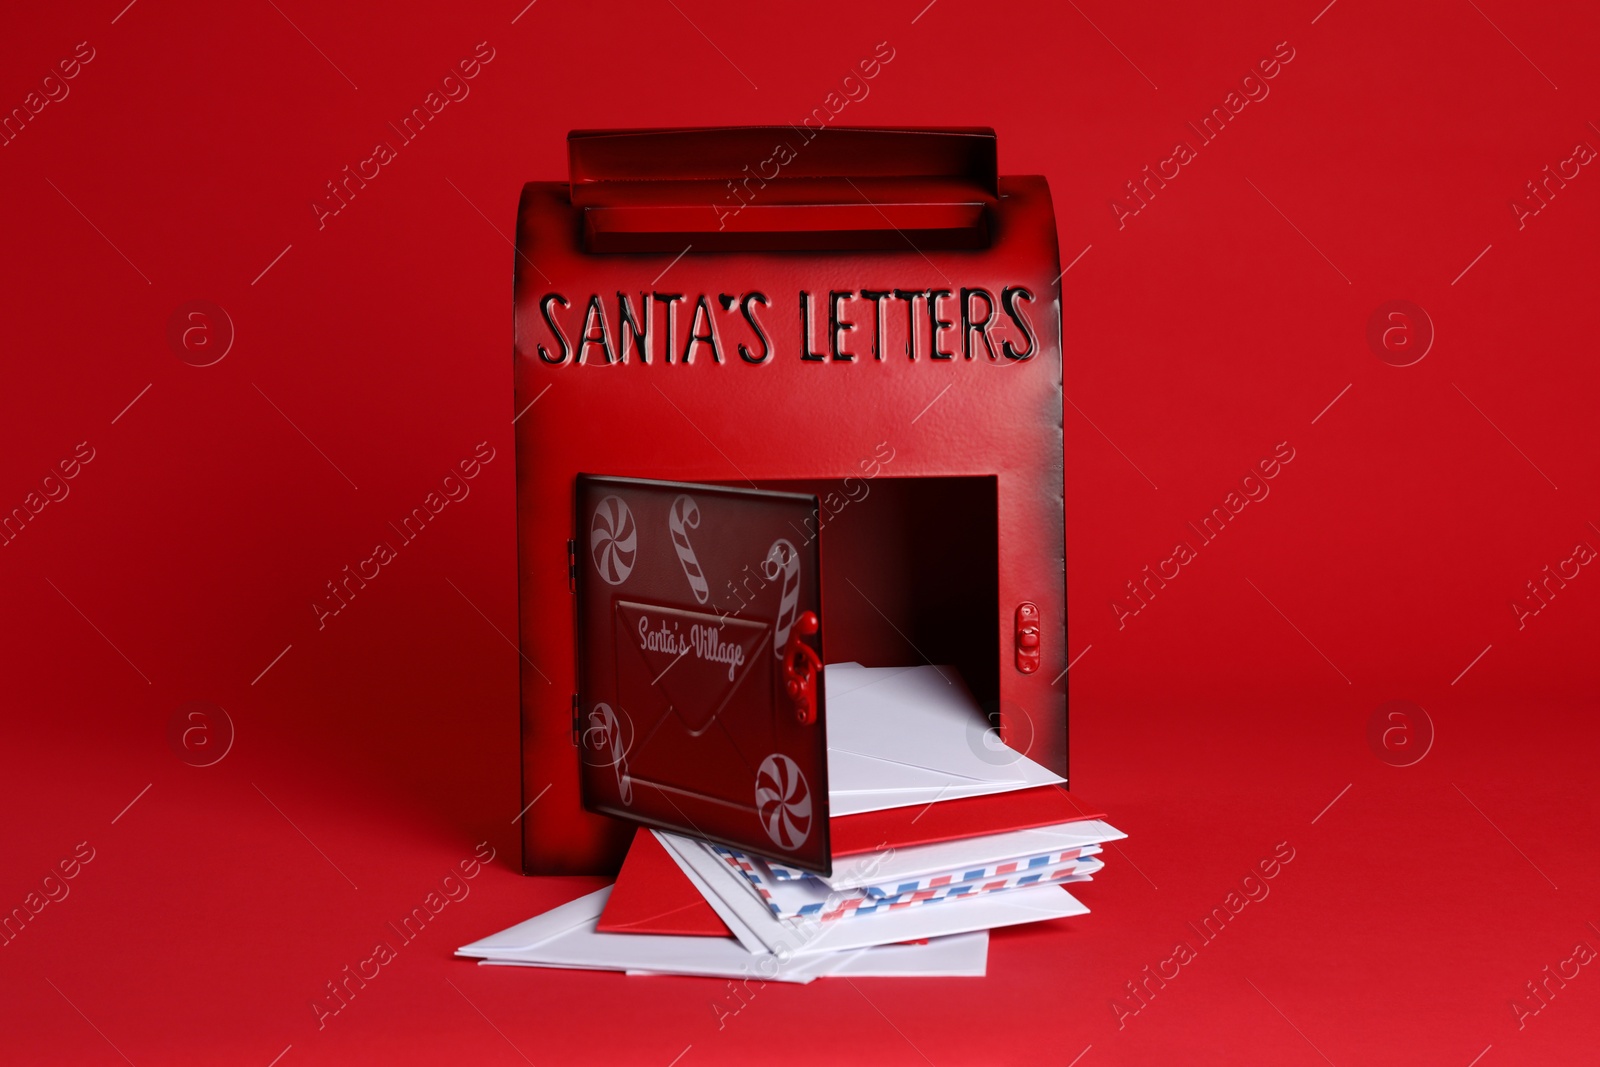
(838, 326)
(1185, 954)
(1269, 468)
(860, 85)
(485, 453)
(1185, 554)
(880, 335)
(1521, 1012)
(469, 468)
(1161, 167)
(59, 493)
(484, 851)
(851, 494)
(412, 125)
(1261, 90)
(35, 103)
(348, 578)
(1161, 569)
(1524, 613)
(384, 153)
(1583, 552)
(909, 297)
(1124, 613)
(1282, 849)
(454, 888)
(596, 331)
(1583, 953)
(1259, 491)
(84, 52)
(1284, 52)
(434, 102)
(350, 976)
(59, 93)
(628, 325)
(1583, 152)
(1148, 178)
(19, 119)
(19, 518)
(1234, 502)
(1561, 168)
(1149, 577)
(433, 502)
(970, 326)
(761, 168)
(68, 467)
(1162, 970)
(1008, 300)
(1133, 191)
(869, 68)
(1234, 902)
(555, 329)
(19, 918)
(323, 1012)
(34, 502)
(57, 894)
(1234, 102)
(362, 171)
(1204, 929)
(703, 335)
(384, 554)
(469, 868)
(459, 93)
(323, 614)
(363, 565)
(1548, 578)
(1284, 453)
(1548, 178)
(1269, 68)
(671, 300)
(1268, 867)
(1123, 1013)
(750, 316)
(419, 919)
(1122, 213)
(348, 178)
(361, 968)
(1561, 568)
(806, 355)
(882, 445)
(384, 953)
(720, 1010)
(785, 154)
(469, 68)
(834, 98)
(883, 46)
(1219, 516)
(34, 903)
(1184, 153)
(723, 214)
(69, 868)
(69, 68)
(1548, 978)
(1262, 887)
(1221, 116)
(1148, 978)
(323, 213)
(434, 902)
(84, 851)
(460, 490)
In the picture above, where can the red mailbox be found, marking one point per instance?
(783, 397)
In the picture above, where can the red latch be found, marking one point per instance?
(1027, 637)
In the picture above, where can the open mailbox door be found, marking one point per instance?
(700, 706)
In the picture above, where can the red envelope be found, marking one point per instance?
(653, 896)
(950, 820)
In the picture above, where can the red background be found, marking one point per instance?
(373, 354)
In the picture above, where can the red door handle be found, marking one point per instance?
(800, 667)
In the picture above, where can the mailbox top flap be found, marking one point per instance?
(781, 188)
(700, 705)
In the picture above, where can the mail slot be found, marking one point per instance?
(784, 397)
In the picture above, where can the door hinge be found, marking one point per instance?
(574, 720)
(572, 565)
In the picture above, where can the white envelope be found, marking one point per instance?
(731, 893)
(953, 857)
(565, 937)
(899, 736)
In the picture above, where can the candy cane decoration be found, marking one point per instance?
(605, 737)
(783, 559)
(783, 801)
(684, 516)
(613, 540)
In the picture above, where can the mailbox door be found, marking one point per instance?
(699, 705)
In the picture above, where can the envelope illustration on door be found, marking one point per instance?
(700, 706)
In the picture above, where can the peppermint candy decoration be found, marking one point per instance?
(783, 801)
(681, 518)
(604, 738)
(613, 540)
(782, 560)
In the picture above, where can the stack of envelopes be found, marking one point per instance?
(939, 834)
